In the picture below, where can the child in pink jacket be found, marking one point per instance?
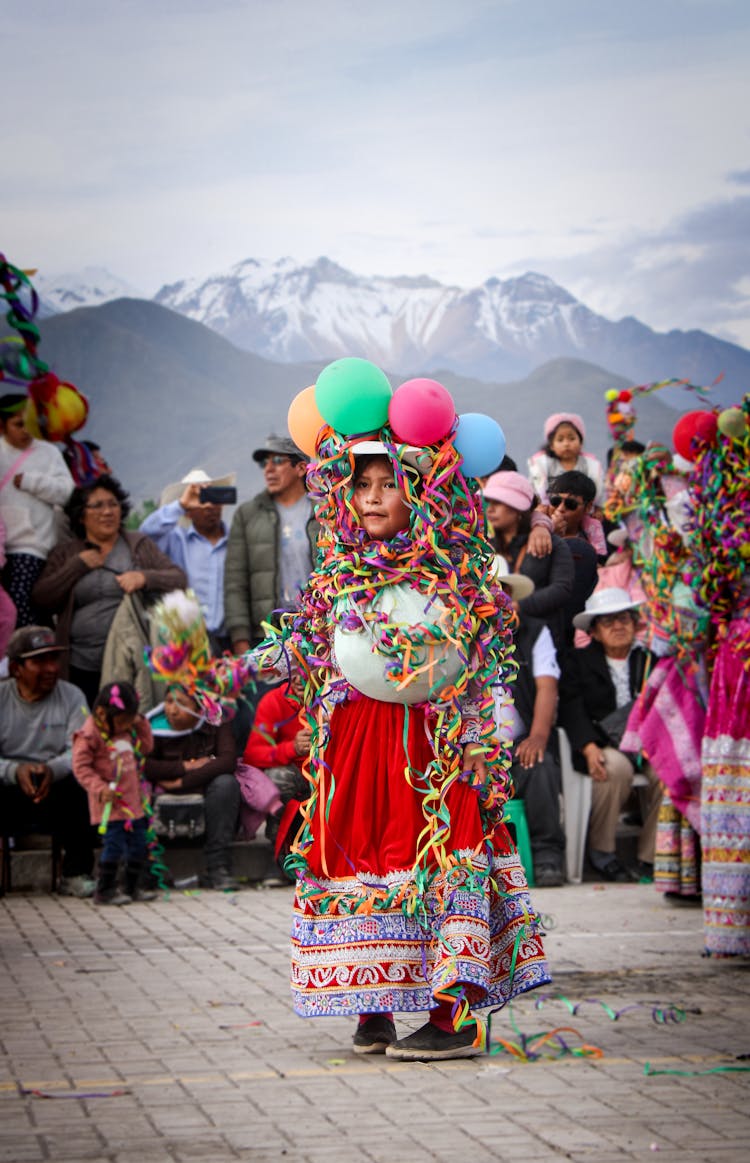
(108, 757)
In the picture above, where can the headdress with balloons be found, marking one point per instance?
(718, 570)
(54, 409)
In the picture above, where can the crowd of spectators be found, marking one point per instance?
(74, 617)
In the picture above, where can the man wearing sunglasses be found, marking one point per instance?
(571, 498)
(271, 546)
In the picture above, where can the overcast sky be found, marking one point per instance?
(602, 143)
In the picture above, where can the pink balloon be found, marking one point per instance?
(421, 412)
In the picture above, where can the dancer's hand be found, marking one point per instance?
(473, 760)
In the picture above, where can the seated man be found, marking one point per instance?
(192, 756)
(600, 683)
(535, 772)
(193, 534)
(38, 715)
(278, 744)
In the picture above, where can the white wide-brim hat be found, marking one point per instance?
(610, 601)
(519, 585)
(196, 476)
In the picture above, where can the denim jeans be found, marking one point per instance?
(123, 843)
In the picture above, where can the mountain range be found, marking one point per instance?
(168, 394)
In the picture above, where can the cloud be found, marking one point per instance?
(693, 273)
(174, 139)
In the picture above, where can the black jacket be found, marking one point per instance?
(587, 692)
(552, 576)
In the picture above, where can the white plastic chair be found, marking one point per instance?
(576, 789)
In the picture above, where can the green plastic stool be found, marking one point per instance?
(515, 814)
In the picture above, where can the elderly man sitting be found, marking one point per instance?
(600, 683)
(38, 715)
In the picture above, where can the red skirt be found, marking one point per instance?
(369, 824)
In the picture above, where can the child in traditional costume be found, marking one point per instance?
(410, 894)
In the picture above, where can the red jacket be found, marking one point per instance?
(271, 741)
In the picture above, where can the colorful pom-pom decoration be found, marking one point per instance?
(55, 409)
(693, 431)
(732, 423)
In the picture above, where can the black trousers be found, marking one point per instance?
(63, 814)
(539, 787)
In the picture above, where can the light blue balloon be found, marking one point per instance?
(481, 442)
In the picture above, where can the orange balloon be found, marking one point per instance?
(305, 421)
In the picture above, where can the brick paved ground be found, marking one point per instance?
(184, 1006)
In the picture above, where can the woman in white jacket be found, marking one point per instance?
(33, 480)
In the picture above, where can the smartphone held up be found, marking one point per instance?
(218, 495)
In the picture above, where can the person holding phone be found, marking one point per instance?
(188, 526)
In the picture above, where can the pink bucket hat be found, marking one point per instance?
(511, 489)
(557, 418)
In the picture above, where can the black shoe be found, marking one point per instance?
(616, 872)
(645, 872)
(374, 1035)
(430, 1043)
(548, 876)
(220, 879)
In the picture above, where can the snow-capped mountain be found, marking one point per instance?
(286, 311)
(88, 287)
(501, 330)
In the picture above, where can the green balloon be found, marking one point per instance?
(352, 395)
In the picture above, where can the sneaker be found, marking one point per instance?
(112, 896)
(80, 886)
(645, 872)
(144, 894)
(548, 876)
(374, 1035)
(220, 879)
(615, 872)
(430, 1043)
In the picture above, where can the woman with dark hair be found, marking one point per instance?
(510, 500)
(86, 578)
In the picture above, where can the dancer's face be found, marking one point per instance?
(181, 710)
(380, 504)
